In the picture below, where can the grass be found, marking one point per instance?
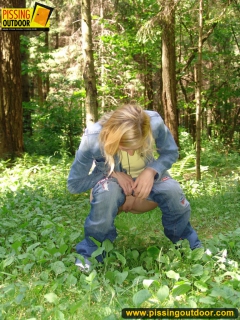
(41, 224)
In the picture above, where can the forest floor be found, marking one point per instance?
(41, 223)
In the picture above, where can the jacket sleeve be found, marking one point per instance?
(165, 147)
(80, 179)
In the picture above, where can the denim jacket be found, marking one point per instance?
(81, 178)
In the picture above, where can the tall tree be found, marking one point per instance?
(11, 123)
(198, 96)
(169, 94)
(88, 68)
(27, 112)
(165, 17)
(218, 49)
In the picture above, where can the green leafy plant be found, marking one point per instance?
(41, 224)
(57, 124)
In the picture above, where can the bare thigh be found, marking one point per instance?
(135, 205)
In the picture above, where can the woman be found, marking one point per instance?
(127, 176)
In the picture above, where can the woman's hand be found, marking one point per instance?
(125, 181)
(144, 182)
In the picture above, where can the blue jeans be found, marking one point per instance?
(108, 196)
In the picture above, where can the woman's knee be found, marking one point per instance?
(170, 196)
(108, 190)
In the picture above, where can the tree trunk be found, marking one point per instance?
(57, 33)
(209, 123)
(46, 81)
(11, 114)
(169, 98)
(148, 75)
(27, 113)
(157, 91)
(198, 93)
(146, 78)
(88, 68)
(101, 54)
(40, 88)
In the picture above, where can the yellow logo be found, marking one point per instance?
(26, 19)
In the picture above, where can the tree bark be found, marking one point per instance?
(209, 123)
(40, 88)
(27, 113)
(46, 80)
(198, 93)
(169, 99)
(11, 113)
(88, 68)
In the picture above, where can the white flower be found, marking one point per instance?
(208, 252)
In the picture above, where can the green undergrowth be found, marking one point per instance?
(41, 224)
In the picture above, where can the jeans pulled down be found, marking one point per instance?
(108, 196)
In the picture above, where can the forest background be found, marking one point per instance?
(179, 58)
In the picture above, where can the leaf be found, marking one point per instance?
(197, 270)
(197, 254)
(58, 267)
(135, 255)
(19, 298)
(138, 270)
(207, 300)
(163, 293)
(95, 17)
(71, 280)
(73, 236)
(28, 267)
(44, 275)
(33, 246)
(110, 276)
(202, 286)
(137, 280)
(147, 283)
(182, 289)
(96, 242)
(16, 245)
(172, 275)
(2, 252)
(140, 297)
(107, 245)
(121, 258)
(59, 315)
(110, 317)
(8, 262)
(164, 259)
(51, 297)
(97, 252)
(217, 292)
(75, 306)
(192, 304)
(120, 276)
(153, 252)
(91, 276)
(63, 248)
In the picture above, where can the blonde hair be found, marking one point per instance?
(128, 127)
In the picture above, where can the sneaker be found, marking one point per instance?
(84, 267)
